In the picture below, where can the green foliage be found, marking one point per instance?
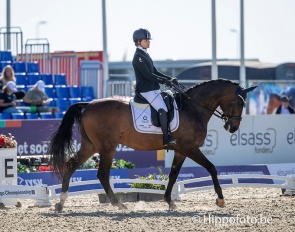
(89, 164)
(24, 168)
(120, 163)
(162, 177)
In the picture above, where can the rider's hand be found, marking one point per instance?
(168, 82)
(174, 80)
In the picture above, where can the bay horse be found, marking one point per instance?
(105, 123)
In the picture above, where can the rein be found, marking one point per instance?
(217, 113)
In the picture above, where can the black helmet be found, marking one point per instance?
(141, 34)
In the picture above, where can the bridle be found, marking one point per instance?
(222, 116)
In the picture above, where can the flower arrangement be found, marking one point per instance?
(162, 177)
(7, 141)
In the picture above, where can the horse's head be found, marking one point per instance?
(233, 107)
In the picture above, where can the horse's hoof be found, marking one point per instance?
(58, 207)
(121, 206)
(220, 202)
(18, 205)
(172, 206)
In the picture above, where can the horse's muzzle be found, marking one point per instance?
(230, 127)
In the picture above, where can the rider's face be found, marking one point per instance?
(145, 43)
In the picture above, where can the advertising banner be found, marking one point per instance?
(287, 169)
(32, 137)
(49, 178)
(261, 139)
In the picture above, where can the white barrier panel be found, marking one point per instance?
(288, 182)
(43, 194)
(261, 139)
(8, 172)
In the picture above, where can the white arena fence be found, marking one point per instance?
(44, 194)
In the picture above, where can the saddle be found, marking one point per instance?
(168, 99)
(146, 118)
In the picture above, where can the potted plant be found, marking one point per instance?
(151, 196)
(7, 141)
(8, 166)
(139, 196)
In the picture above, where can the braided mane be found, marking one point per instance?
(211, 82)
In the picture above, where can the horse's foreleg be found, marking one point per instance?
(213, 172)
(176, 166)
(71, 167)
(103, 174)
(200, 158)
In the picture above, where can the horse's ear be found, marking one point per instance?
(248, 89)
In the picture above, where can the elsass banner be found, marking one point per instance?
(261, 139)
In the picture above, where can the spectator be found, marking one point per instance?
(284, 108)
(38, 99)
(8, 102)
(8, 75)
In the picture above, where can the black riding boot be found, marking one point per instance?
(168, 140)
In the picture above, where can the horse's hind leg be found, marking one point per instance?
(103, 174)
(176, 166)
(71, 166)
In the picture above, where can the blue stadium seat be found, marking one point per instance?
(45, 115)
(5, 116)
(31, 116)
(18, 116)
(6, 56)
(3, 64)
(33, 67)
(52, 103)
(74, 100)
(87, 93)
(21, 79)
(33, 78)
(50, 91)
(59, 115)
(74, 92)
(47, 78)
(19, 67)
(62, 104)
(61, 92)
(60, 79)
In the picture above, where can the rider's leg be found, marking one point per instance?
(156, 100)
(168, 140)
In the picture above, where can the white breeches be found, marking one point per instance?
(155, 99)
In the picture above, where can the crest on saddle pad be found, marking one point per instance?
(146, 120)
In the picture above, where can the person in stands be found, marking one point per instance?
(8, 75)
(8, 102)
(148, 80)
(284, 108)
(38, 99)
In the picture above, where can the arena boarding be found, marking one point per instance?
(44, 194)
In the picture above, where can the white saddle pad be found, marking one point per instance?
(142, 121)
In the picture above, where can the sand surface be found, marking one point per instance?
(246, 209)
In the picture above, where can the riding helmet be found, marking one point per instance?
(141, 34)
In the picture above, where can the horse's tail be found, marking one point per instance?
(61, 141)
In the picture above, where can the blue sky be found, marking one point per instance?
(181, 29)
